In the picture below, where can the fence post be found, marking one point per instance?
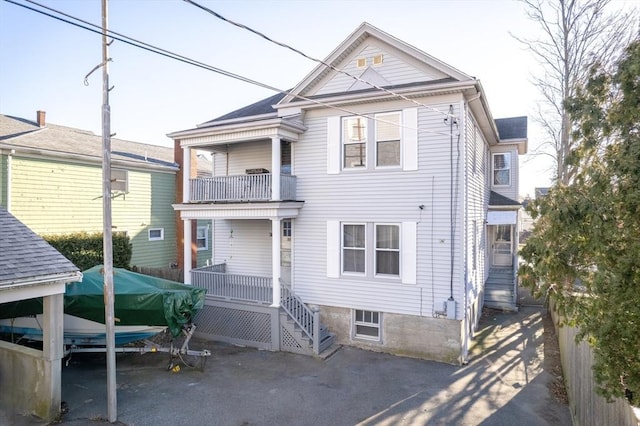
(316, 330)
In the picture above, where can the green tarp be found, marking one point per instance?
(139, 300)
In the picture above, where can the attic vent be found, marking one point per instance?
(377, 60)
(361, 62)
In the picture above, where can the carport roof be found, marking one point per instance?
(25, 256)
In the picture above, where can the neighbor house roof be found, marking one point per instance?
(512, 128)
(496, 199)
(262, 107)
(25, 257)
(51, 139)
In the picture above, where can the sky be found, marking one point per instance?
(43, 62)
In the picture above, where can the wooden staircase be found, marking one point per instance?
(300, 327)
(500, 289)
(294, 339)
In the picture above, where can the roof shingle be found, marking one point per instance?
(24, 255)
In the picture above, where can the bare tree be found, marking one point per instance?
(575, 34)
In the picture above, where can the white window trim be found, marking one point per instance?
(356, 323)
(375, 250)
(364, 249)
(343, 143)
(493, 169)
(206, 237)
(160, 238)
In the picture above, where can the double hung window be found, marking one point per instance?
(388, 133)
(353, 248)
(379, 133)
(388, 250)
(502, 169)
(355, 142)
(202, 237)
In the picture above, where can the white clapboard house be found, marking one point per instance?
(372, 205)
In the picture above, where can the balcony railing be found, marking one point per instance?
(246, 288)
(240, 188)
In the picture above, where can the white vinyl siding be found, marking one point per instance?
(388, 195)
(333, 249)
(244, 245)
(333, 145)
(393, 69)
(410, 139)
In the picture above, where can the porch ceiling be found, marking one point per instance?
(268, 210)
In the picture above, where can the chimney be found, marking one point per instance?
(41, 118)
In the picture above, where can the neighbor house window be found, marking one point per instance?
(388, 139)
(353, 248)
(388, 250)
(502, 169)
(367, 324)
(354, 137)
(156, 234)
(202, 238)
(119, 180)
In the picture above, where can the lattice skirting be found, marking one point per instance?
(236, 323)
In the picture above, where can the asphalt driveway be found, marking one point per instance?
(507, 382)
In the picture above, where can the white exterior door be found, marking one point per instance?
(285, 251)
(502, 245)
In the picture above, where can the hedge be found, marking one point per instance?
(84, 249)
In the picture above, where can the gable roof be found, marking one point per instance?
(496, 199)
(353, 42)
(26, 257)
(60, 141)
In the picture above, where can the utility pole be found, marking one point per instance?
(109, 316)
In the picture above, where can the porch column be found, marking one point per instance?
(53, 351)
(186, 175)
(275, 169)
(275, 259)
(187, 251)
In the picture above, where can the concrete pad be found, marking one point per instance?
(505, 383)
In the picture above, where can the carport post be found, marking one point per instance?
(52, 348)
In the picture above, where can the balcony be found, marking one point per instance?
(241, 188)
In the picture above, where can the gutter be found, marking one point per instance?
(27, 282)
(83, 158)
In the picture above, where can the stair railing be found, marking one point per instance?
(307, 319)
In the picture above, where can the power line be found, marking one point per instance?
(172, 55)
(299, 52)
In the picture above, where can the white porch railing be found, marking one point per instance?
(240, 188)
(218, 283)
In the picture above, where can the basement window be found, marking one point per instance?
(367, 325)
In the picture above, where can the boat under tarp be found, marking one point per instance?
(138, 300)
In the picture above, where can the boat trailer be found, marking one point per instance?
(178, 353)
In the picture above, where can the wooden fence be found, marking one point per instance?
(587, 407)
